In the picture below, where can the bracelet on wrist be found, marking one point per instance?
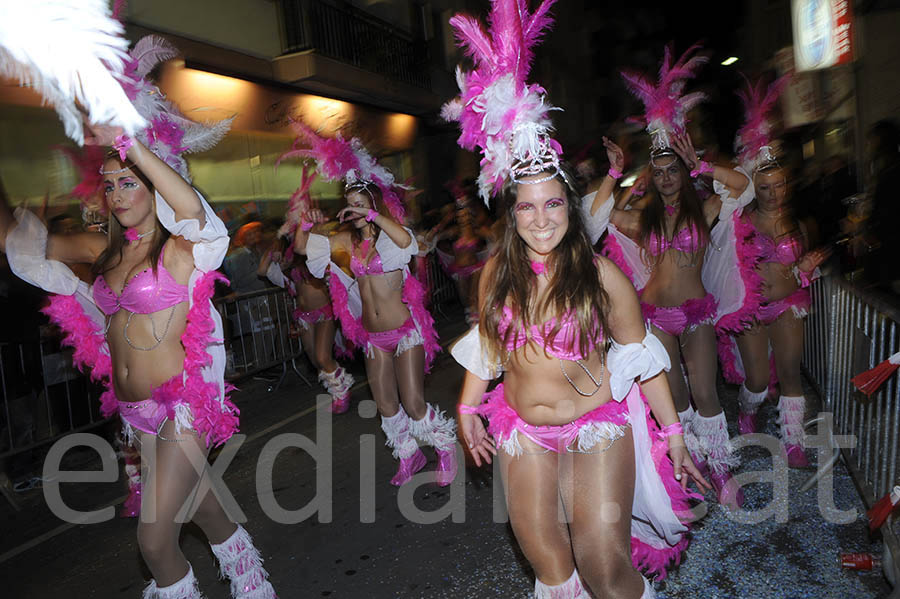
(703, 168)
(122, 144)
(672, 429)
(465, 409)
(371, 215)
(614, 173)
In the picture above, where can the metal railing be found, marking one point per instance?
(849, 331)
(354, 37)
(260, 333)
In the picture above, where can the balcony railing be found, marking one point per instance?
(353, 37)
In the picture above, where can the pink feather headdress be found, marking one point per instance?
(500, 114)
(752, 141)
(299, 203)
(664, 106)
(170, 133)
(337, 158)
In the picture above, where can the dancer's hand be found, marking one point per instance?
(476, 439)
(811, 260)
(683, 464)
(100, 135)
(350, 213)
(684, 147)
(314, 216)
(614, 154)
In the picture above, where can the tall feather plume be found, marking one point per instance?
(756, 132)
(665, 108)
(150, 51)
(337, 158)
(499, 113)
(70, 52)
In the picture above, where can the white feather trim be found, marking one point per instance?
(69, 51)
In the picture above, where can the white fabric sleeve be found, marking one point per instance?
(467, 351)
(595, 224)
(635, 360)
(721, 273)
(631, 254)
(731, 204)
(210, 242)
(276, 276)
(393, 257)
(26, 250)
(318, 254)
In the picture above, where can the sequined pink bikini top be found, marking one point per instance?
(566, 337)
(143, 293)
(784, 251)
(362, 269)
(687, 240)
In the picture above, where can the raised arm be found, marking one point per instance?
(398, 234)
(308, 221)
(166, 181)
(73, 249)
(733, 181)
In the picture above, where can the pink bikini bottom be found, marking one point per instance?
(678, 320)
(604, 423)
(395, 341)
(149, 415)
(306, 319)
(799, 302)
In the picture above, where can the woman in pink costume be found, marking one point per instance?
(382, 306)
(660, 243)
(147, 328)
(314, 315)
(765, 271)
(569, 424)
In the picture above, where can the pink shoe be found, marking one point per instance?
(446, 470)
(340, 405)
(132, 506)
(746, 423)
(796, 456)
(408, 467)
(727, 490)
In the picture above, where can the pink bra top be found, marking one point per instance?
(784, 251)
(687, 240)
(566, 337)
(143, 293)
(361, 269)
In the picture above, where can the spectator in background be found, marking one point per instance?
(883, 152)
(242, 262)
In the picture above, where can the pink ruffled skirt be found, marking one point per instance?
(678, 320)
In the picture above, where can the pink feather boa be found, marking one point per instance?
(613, 251)
(414, 298)
(214, 418)
(351, 327)
(749, 255)
(89, 345)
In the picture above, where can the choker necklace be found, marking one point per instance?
(537, 268)
(672, 208)
(131, 234)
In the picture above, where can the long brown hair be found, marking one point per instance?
(111, 257)
(690, 212)
(574, 287)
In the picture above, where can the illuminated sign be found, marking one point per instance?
(822, 33)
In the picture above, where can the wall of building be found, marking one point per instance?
(250, 26)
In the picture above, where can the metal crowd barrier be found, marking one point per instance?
(260, 334)
(849, 331)
(443, 288)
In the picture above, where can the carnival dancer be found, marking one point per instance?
(569, 422)
(381, 307)
(762, 274)
(147, 328)
(314, 315)
(660, 244)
